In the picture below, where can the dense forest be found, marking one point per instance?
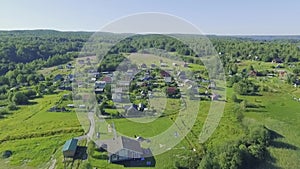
(27, 46)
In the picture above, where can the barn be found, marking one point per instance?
(69, 148)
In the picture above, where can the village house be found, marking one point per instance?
(123, 148)
(96, 74)
(118, 90)
(132, 111)
(282, 73)
(130, 73)
(117, 97)
(297, 83)
(58, 77)
(212, 85)
(185, 65)
(71, 77)
(215, 97)
(187, 82)
(123, 84)
(164, 74)
(99, 86)
(163, 64)
(143, 66)
(252, 73)
(181, 75)
(70, 105)
(107, 79)
(168, 79)
(81, 61)
(277, 60)
(153, 65)
(69, 66)
(93, 79)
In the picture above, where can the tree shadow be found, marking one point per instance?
(3, 114)
(253, 94)
(80, 154)
(31, 103)
(268, 163)
(255, 110)
(279, 144)
(251, 105)
(274, 134)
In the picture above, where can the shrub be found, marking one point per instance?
(20, 98)
(7, 154)
(12, 107)
(234, 98)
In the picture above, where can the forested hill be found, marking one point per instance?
(26, 46)
(55, 47)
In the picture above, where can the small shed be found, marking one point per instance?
(69, 148)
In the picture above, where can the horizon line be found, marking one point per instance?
(94, 31)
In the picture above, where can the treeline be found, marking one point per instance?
(229, 47)
(262, 50)
(140, 42)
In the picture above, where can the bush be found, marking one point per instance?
(245, 87)
(20, 98)
(12, 107)
(7, 154)
(234, 98)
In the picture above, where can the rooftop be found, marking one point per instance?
(70, 145)
(122, 142)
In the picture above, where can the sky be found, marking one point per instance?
(220, 17)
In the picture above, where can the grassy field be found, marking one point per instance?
(280, 114)
(33, 134)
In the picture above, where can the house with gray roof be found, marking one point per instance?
(123, 148)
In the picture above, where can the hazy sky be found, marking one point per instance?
(210, 16)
